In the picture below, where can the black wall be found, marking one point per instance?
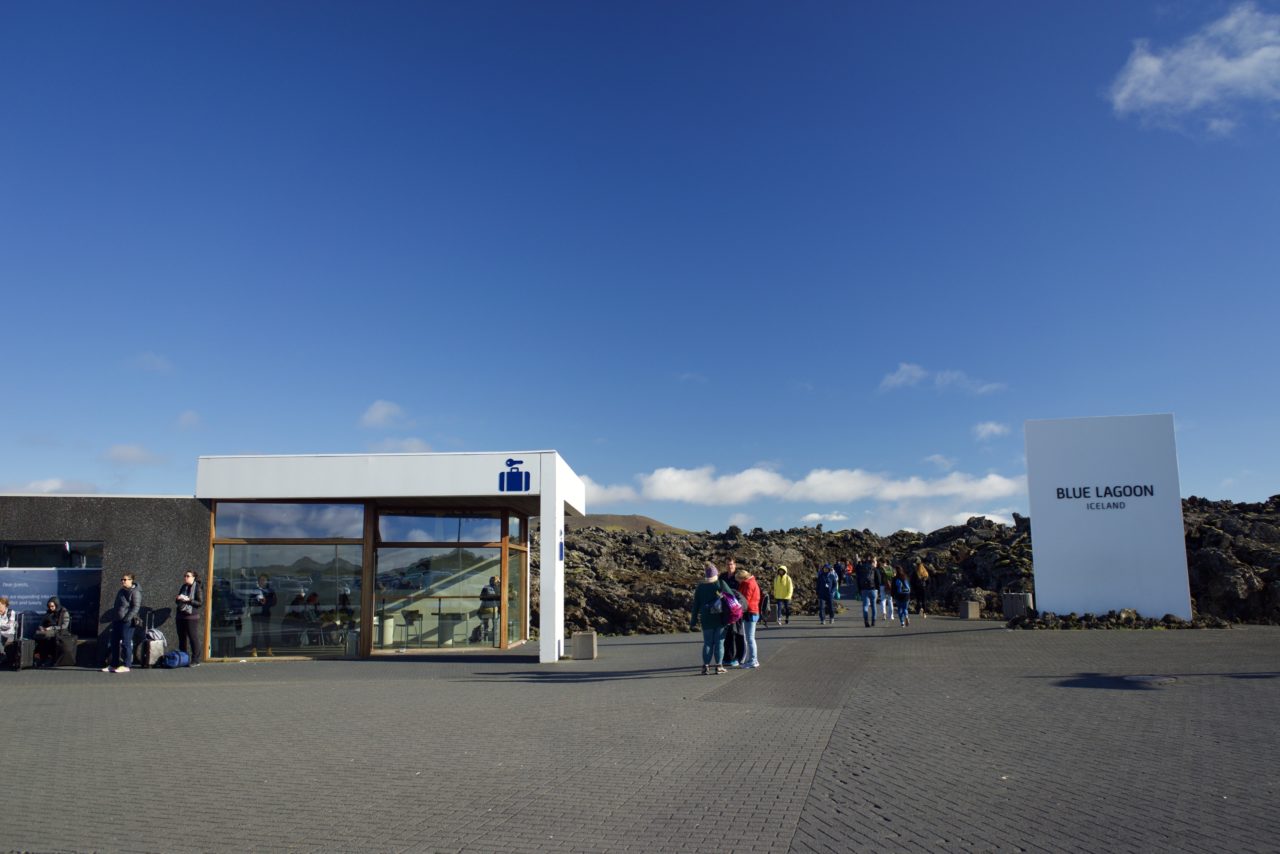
(157, 539)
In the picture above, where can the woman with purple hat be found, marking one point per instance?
(705, 599)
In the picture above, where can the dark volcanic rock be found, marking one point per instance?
(624, 581)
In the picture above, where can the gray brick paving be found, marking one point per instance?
(949, 736)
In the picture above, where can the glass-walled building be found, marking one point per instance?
(289, 578)
(360, 555)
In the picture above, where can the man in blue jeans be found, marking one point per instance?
(868, 576)
(127, 605)
(827, 582)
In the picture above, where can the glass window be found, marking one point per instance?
(289, 521)
(69, 554)
(515, 530)
(439, 529)
(437, 597)
(516, 576)
(284, 599)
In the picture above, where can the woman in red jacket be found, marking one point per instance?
(748, 587)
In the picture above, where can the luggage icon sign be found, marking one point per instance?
(513, 480)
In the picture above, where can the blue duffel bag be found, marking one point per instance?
(175, 658)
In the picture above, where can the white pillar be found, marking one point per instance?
(551, 566)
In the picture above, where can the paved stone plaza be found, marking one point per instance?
(948, 736)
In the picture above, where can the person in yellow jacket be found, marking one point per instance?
(920, 586)
(782, 590)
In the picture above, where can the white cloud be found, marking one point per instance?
(964, 382)
(153, 362)
(814, 518)
(600, 494)
(928, 515)
(691, 377)
(943, 463)
(189, 419)
(1231, 62)
(53, 485)
(989, 430)
(382, 413)
(409, 445)
(704, 486)
(132, 455)
(907, 374)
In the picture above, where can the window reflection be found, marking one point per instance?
(437, 597)
(289, 521)
(284, 599)
(439, 529)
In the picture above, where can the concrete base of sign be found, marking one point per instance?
(584, 646)
(970, 610)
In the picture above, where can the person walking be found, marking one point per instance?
(868, 577)
(190, 600)
(782, 591)
(123, 612)
(901, 586)
(920, 586)
(826, 585)
(707, 609)
(886, 595)
(749, 588)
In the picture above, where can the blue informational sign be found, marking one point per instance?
(513, 479)
(78, 589)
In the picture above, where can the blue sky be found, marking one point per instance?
(749, 263)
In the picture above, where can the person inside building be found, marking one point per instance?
(263, 600)
(489, 601)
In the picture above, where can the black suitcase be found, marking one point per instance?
(21, 654)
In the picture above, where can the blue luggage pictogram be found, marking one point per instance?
(513, 480)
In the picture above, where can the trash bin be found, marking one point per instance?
(971, 610)
(1016, 604)
(353, 643)
(584, 646)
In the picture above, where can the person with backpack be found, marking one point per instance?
(735, 641)
(750, 588)
(826, 586)
(886, 592)
(901, 586)
(868, 577)
(123, 612)
(783, 588)
(190, 600)
(708, 609)
(919, 586)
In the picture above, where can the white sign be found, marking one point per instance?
(1106, 516)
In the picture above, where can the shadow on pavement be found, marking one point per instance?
(552, 677)
(1112, 682)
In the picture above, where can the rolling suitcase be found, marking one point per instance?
(21, 654)
(151, 650)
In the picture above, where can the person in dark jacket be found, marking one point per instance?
(125, 610)
(54, 629)
(826, 585)
(263, 599)
(869, 589)
(190, 600)
(702, 611)
(735, 639)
